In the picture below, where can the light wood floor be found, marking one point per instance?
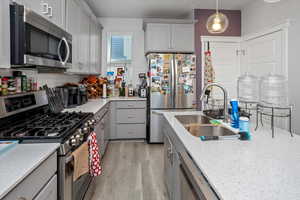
(132, 170)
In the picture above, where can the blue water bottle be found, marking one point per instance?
(235, 116)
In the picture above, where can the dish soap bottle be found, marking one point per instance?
(235, 117)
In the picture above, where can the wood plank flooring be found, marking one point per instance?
(132, 170)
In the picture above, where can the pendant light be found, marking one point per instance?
(217, 22)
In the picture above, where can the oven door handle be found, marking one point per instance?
(69, 159)
(68, 51)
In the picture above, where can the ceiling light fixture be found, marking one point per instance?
(217, 22)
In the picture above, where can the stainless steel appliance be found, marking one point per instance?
(193, 185)
(37, 42)
(172, 86)
(31, 122)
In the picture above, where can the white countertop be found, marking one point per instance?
(20, 161)
(94, 105)
(263, 168)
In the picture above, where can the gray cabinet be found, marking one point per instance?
(53, 10)
(4, 34)
(128, 120)
(37, 181)
(87, 36)
(49, 192)
(102, 128)
(169, 37)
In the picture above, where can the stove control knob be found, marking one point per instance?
(73, 142)
(85, 130)
(79, 138)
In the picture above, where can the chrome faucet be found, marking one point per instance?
(226, 119)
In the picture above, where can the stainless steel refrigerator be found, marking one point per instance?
(172, 86)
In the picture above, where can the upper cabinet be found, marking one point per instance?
(4, 35)
(53, 10)
(86, 42)
(183, 37)
(169, 37)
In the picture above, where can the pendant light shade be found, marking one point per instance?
(217, 22)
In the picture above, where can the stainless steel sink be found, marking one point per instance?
(209, 130)
(199, 125)
(193, 119)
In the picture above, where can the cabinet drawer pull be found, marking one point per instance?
(22, 198)
(131, 117)
(50, 13)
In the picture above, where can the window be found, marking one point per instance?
(119, 48)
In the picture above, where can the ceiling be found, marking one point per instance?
(157, 8)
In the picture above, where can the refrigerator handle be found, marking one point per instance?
(174, 80)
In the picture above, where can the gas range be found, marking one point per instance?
(38, 125)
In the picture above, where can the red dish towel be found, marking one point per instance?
(94, 156)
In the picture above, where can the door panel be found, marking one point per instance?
(185, 93)
(226, 64)
(161, 80)
(264, 55)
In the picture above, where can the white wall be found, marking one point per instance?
(257, 16)
(126, 25)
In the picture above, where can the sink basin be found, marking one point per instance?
(193, 119)
(209, 130)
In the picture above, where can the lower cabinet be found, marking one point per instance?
(128, 119)
(41, 184)
(171, 169)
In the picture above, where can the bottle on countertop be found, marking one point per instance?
(24, 83)
(11, 85)
(4, 86)
(18, 79)
(235, 118)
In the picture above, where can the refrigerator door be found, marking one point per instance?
(185, 81)
(161, 81)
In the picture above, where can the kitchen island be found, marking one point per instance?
(263, 168)
(19, 164)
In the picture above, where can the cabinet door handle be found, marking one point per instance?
(50, 13)
(44, 8)
(22, 198)
(130, 117)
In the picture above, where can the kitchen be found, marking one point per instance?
(108, 99)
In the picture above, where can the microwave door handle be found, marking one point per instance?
(58, 51)
(68, 51)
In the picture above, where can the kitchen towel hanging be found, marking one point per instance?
(94, 156)
(209, 73)
(81, 161)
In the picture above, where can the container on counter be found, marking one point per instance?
(24, 83)
(248, 88)
(5, 86)
(11, 85)
(0, 85)
(274, 91)
(244, 128)
(29, 84)
(235, 118)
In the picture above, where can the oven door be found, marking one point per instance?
(68, 189)
(36, 41)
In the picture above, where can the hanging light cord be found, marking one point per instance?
(217, 8)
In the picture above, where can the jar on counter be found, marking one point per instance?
(24, 83)
(11, 85)
(4, 86)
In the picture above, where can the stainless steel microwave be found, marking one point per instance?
(35, 41)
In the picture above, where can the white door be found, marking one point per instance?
(158, 37)
(183, 37)
(264, 55)
(226, 64)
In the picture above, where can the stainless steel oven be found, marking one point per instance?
(36, 41)
(81, 189)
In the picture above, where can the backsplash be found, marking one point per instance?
(51, 79)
